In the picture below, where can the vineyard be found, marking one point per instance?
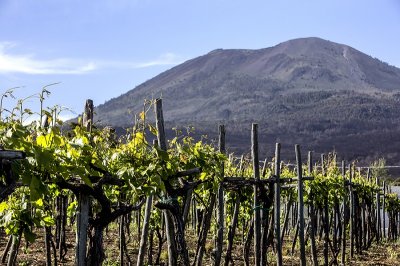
(178, 201)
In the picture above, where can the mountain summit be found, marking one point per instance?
(311, 91)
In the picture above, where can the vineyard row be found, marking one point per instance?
(179, 192)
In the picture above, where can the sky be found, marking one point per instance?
(100, 49)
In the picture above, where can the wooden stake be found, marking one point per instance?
(301, 206)
(82, 214)
(256, 203)
(277, 205)
(145, 231)
(313, 224)
(221, 221)
(161, 138)
(344, 217)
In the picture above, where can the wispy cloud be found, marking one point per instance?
(163, 60)
(30, 64)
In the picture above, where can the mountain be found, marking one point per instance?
(323, 95)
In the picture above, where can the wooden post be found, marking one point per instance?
(205, 226)
(87, 119)
(146, 223)
(323, 163)
(121, 239)
(378, 213)
(383, 210)
(265, 217)
(6, 250)
(172, 253)
(344, 217)
(82, 215)
(232, 230)
(312, 217)
(363, 233)
(12, 257)
(351, 218)
(221, 221)
(277, 205)
(325, 216)
(301, 205)
(62, 244)
(370, 212)
(47, 238)
(256, 203)
(161, 139)
(310, 210)
(145, 231)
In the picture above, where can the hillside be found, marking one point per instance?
(310, 91)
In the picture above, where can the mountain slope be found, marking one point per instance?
(311, 91)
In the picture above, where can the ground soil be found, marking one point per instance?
(384, 253)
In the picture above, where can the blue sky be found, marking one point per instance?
(100, 49)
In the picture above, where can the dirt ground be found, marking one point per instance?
(34, 254)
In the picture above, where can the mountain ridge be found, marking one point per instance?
(305, 90)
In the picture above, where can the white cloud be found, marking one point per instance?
(29, 64)
(163, 60)
(67, 117)
(28, 119)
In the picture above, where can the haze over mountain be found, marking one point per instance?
(310, 91)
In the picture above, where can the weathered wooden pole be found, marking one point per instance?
(351, 218)
(87, 118)
(256, 203)
(323, 164)
(313, 225)
(344, 217)
(383, 210)
(277, 205)
(231, 231)
(145, 231)
(16, 241)
(325, 216)
(265, 218)
(121, 240)
(6, 250)
(378, 213)
(221, 220)
(146, 224)
(169, 225)
(310, 163)
(301, 205)
(82, 215)
(369, 174)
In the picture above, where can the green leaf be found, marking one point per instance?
(39, 203)
(3, 206)
(163, 155)
(29, 236)
(72, 208)
(86, 180)
(36, 188)
(48, 221)
(203, 176)
(42, 140)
